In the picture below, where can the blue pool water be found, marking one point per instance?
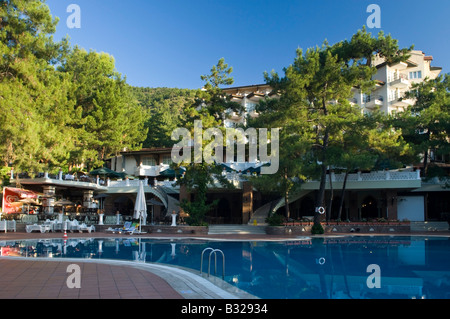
(339, 267)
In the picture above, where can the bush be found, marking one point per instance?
(317, 229)
(275, 220)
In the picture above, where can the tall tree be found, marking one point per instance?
(165, 107)
(208, 109)
(426, 124)
(33, 101)
(317, 87)
(109, 117)
(293, 149)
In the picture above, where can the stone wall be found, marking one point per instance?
(295, 230)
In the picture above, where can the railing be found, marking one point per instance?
(150, 170)
(397, 76)
(375, 98)
(124, 183)
(378, 176)
(213, 251)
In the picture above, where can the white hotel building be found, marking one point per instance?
(394, 195)
(394, 80)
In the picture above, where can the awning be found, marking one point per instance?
(106, 172)
(173, 172)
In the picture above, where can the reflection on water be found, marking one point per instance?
(409, 267)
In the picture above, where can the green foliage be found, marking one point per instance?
(197, 179)
(208, 107)
(165, 108)
(109, 118)
(33, 97)
(425, 125)
(275, 220)
(315, 111)
(78, 113)
(317, 229)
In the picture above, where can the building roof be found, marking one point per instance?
(155, 150)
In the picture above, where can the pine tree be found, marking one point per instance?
(426, 124)
(33, 105)
(110, 119)
(316, 91)
(209, 108)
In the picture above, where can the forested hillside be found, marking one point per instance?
(164, 107)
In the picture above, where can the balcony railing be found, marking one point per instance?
(373, 100)
(378, 176)
(397, 76)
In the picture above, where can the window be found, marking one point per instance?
(148, 160)
(392, 96)
(415, 75)
(167, 159)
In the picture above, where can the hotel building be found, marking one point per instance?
(393, 195)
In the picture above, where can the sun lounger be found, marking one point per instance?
(126, 226)
(39, 228)
(84, 227)
(73, 226)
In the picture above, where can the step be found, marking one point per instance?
(237, 229)
(429, 226)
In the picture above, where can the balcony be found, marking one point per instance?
(400, 102)
(148, 170)
(374, 180)
(372, 102)
(399, 80)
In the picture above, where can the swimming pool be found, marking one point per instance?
(357, 267)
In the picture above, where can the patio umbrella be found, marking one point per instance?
(29, 201)
(140, 207)
(105, 172)
(173, 172)
(62, 203)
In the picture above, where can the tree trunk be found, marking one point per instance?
(425, 162)
(321, 193)
(341, 204)
(286, 197)
(330, 202)
(286, 205)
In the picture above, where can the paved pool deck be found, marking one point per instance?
(105, 279)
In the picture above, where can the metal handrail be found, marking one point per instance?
(201, 261)
(213, 251)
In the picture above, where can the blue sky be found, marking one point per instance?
(171, 43)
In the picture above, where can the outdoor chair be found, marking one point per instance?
(125, 227)
(73, 225)
(83, 227)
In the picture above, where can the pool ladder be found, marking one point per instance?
(213, 251)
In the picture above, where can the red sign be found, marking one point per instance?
(12, 195)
